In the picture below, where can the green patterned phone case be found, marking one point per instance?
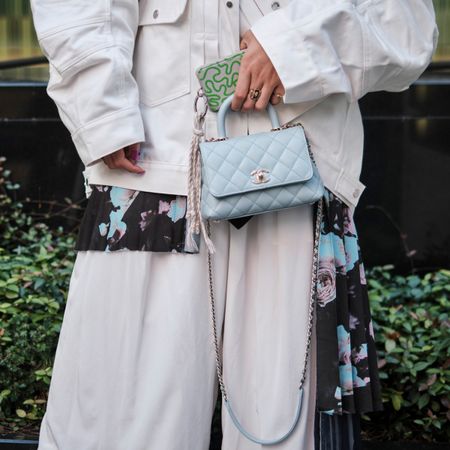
(218, 80)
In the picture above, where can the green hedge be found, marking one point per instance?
(410, 314)
(35, 266)
(411, 324)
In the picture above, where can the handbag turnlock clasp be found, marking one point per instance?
(260, 176)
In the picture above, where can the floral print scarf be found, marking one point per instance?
(123, 219)
(347, 370)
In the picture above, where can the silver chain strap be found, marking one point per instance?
(312, 297)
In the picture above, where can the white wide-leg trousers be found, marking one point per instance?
(135, 364)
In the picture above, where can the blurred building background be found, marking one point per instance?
(18, 40)
(443, 19)
(403, 215)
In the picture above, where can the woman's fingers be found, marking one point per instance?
(275, 99)
(249, 103)
(243, 44)
(277, 95)
(242, 88)
(130, 167)
(263, 100)
(118, 160)
(258, 73)
(132, 152)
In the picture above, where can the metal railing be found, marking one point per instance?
(22, 62)
(37, 60)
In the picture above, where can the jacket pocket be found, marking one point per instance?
(267, 6)
(162, 52)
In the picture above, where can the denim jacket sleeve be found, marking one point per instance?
(351, 47)
(89, 45)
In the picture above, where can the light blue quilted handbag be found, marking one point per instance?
(257, 173)
(249, 175)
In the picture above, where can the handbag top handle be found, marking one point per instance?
(226, 106)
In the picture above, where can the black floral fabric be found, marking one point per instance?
(347, 379)
(125, 219)
(118, 219)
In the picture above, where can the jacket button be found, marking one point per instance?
(275, 5)
(356, 193)
(155, 14)
(230, 4)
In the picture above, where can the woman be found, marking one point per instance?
(134, 368)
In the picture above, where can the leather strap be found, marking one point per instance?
(225, 108)
(312, 302)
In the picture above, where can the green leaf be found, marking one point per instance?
(38, 283)
(12, 288)
(421, 365)
(53, 304)
(389, 345)
(437, 424)
(375, 284)
(4, 393)
(21, 413)
(397, 401)
(423, 400)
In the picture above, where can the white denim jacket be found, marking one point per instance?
(122, 71)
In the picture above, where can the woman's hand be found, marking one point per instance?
(256, 72)
(125, 159)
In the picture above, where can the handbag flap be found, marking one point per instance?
(255, 162)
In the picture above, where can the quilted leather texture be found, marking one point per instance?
(228, 188)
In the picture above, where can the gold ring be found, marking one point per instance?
(280, 96)
(254, 94)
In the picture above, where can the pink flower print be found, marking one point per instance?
(371, 330)
(146, 218)
(344, 357)
(326, 282)
(339, 252)
(362, 273)
(343, 344)
(164, 207)
(357, 381)
(353, 322)
(349, 224)
(359, 354)
(346, 379)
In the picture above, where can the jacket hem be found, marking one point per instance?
(159, 177)
(172, 179)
